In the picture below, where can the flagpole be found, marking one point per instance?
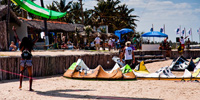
(164, 28)
(199, 34)
(191, 34)
(180, 30)
(153, 37)
(184, 32)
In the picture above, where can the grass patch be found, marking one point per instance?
(100, 50)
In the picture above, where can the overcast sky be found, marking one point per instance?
(172, 13)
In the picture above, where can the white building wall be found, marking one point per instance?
(22, 31)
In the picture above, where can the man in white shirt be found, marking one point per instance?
(182, 41)
(97, 42)
(128, 55)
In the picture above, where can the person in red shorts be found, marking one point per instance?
(182, 41)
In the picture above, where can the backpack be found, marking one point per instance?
(26, 55)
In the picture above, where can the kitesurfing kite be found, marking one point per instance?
(38, 10)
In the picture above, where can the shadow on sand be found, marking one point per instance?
(59, 93)
(27, 79)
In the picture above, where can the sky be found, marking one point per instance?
(171, 13)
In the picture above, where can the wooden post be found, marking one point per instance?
(45, 27)
(8, 24)
(0, 69)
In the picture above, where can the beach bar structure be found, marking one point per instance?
(6, 34)
(55, 27)
(25, 27)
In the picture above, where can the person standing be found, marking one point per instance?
(114, 43)
(26, 47)
(134, 41)
(55, 45)
(97, 42)
(118, 43)
(110, 43)
(165, 43)
(182, 41)
(128, 55)
(188, 43)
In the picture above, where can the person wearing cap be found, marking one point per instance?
(128, 55)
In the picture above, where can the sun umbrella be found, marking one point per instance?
(154, 34)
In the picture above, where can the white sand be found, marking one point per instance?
(55, 52)
(60, 88)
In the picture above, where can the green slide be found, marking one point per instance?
(38, 10)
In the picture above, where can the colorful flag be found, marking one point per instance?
(177, 30)
(190, 31)
(198, 31)
(183, 31)
(161, 30)
(151, 29)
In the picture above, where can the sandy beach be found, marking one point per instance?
(60, 88)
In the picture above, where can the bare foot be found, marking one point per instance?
(20, 87)
(31, 90)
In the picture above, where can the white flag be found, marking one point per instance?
(190, 31)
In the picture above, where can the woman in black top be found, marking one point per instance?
(26, 46)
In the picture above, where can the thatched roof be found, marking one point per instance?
(3, 14)
(54, 26)
(94, 34)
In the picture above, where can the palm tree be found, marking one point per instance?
(126, 14)
(14, 7)
(124, 17)
(88, 17)
(61, 6)
(114, 15)
(104, 12)
(52, 6)
(76, 12)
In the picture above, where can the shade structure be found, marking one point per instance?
(154, 34)
(38, 10)
(122, 31)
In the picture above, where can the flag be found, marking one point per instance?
(198, 30)
(190, 31)
(161, 30)
(177, 30)
(151, 29)
(183, 31)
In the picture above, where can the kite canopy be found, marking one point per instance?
(122, 31)
(38, 10)
(80, 70)
(180, 64)
(154, 34)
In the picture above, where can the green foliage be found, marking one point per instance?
(88, 29)
(106, 12)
